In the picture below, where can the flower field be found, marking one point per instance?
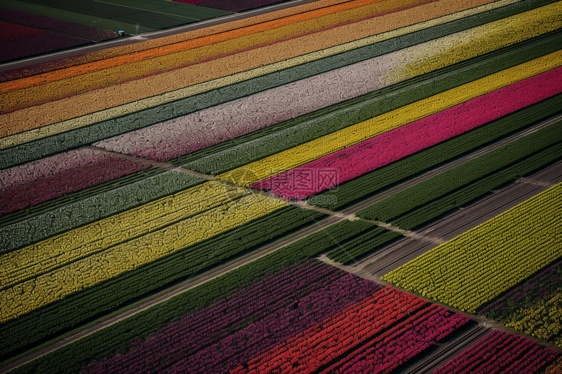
(221, 196)
(456, 187)
(411, 138)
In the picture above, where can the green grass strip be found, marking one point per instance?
(105, 129)
(365, 244)
(245, 149)
(69, 212)
(478, 189)
(378, 180)
(61, 316)
(495, 162)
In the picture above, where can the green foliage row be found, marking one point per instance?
(362, 245)
(478, 189)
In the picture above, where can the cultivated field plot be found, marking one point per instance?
(335, 186)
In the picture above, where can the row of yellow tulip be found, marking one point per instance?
(42, 257)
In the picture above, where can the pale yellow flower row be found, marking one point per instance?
(84, 241)
(477, 266)
(351, 135)
(60, 127)
(46, 288)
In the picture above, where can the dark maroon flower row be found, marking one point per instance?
(11, 31)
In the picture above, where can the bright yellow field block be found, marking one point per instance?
(477, 266)
(351, 135)
(29, 295)
(151, 102)
(84, 241)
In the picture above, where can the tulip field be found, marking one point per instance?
(219, 193)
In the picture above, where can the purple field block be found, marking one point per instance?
(36, 44)
(57, 26)
(32, 20)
